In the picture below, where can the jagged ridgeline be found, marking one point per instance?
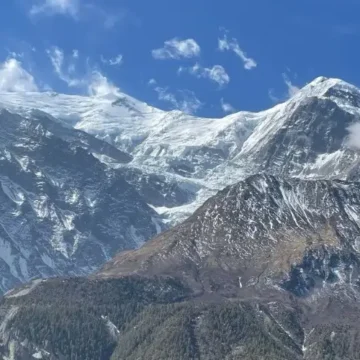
(267, 267)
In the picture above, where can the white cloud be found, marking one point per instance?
(354, 136)
(51, 7)
(117, 60)
(291, 88)
(152, 82)
(177, 49)
(14, 78)
(217, 73)
(186, 100)
(226, 44)
(226, 107)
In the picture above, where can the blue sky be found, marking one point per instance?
(207, 57)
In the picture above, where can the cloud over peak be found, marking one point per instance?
(14, 78)
(226, 44)
(177, 49)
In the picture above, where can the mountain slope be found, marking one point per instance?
(62, 211)
(257, 230)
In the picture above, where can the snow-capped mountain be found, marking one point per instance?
(155, 162)
(186, 159)
(270, 264)
(63, 212)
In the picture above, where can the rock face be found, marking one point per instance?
(63, 212)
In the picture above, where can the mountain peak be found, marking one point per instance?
(332, 88)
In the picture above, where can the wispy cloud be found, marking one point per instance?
(116, 61)
(152, 82)
(93, 82)
(216, 74)
(226, 44)
(177, 49)
(226, 107)
(14, 78)
(184, 100)
(272, 96)
(291, 88)
(57, 58)
(64, 7)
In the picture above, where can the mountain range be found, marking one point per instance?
(257, 216)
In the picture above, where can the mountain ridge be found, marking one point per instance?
(198, 155)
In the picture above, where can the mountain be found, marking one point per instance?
(267, 268)
(186, 159)
(63, 212)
